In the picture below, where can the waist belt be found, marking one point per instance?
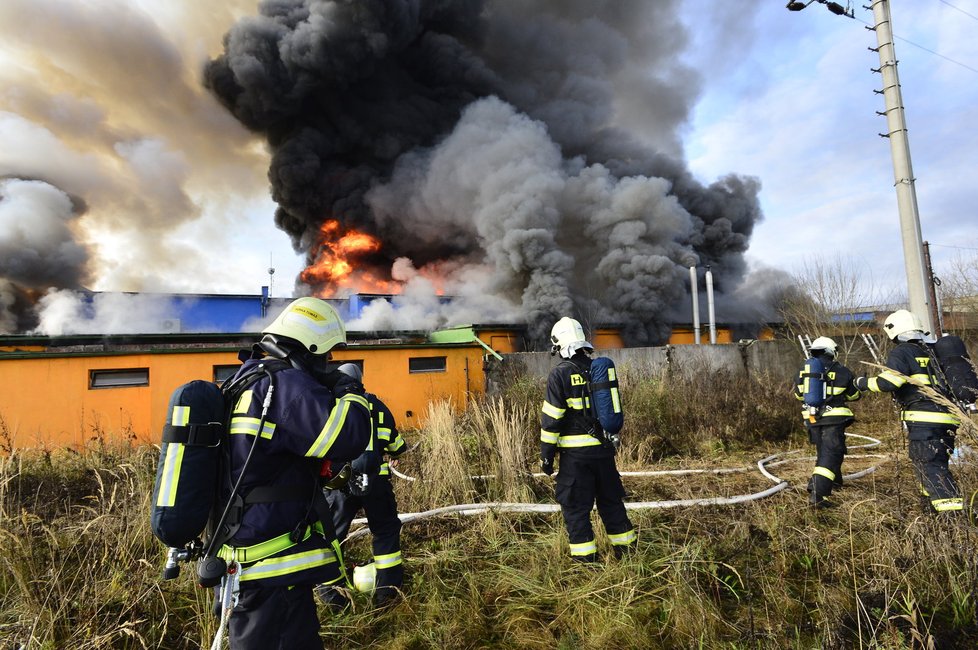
(256, 552)
(929, 417)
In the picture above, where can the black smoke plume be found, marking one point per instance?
(538, 141)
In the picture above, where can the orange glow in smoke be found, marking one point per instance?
(336, 254)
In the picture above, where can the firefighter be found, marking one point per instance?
(285, 543)
(587, 471)
(930, 425)
(827, 424)
(370, 488)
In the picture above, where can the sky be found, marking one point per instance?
(137, 179)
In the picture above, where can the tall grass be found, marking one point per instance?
(81, 570)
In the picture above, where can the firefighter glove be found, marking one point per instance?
(861, 383)
(547, 465)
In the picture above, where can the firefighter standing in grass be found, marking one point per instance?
(284, 544)
(375, 495)
(587, 472)
(930, 425)
(827, 424)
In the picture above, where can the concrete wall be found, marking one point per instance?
(776, 358)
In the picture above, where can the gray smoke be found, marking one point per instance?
(537, 141)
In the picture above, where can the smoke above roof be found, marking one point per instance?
(531, 150)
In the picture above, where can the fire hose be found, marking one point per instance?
(762, 466)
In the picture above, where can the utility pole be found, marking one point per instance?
(935, 305)
(913, 251)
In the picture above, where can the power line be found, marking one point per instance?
(958, 8)
(963, 248)
(917, 45)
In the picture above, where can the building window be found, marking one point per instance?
(223, 373)
(118, 378)
(427, 364)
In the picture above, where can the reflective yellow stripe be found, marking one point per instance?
(583, 440)
(387, 561)
(553, 411)
(584, 548)
(181, 416)
(945, 505)
(280, 566)
(896, 380)
(384, 434)
(259, 551)
(623, 539)
(836, 410)
(397, 444)
(334, 423)
(929, 417)
(241, 424)
(167, 496)
(921, 379)
(835, 390)
(827, 473)
(244, 401)
(548, 437)
(576, 403)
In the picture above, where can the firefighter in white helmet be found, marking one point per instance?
(282, 538)
(587, 472)
(930, 425)
(826, 422)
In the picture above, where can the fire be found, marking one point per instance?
(336, 255)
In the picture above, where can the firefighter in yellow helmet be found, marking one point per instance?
(930, 425)
(282, 537)
(827, 420)
(587, 472)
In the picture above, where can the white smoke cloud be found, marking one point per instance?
(63, 312)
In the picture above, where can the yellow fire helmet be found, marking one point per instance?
(312, 322)
(365, 577)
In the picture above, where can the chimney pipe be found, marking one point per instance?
(709, 304)
(695, 293)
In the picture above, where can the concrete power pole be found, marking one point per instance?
(913, 252)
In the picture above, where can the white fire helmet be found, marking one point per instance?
(824, 343)
(352, 370)
(365, 577)
(902, 322)
(567, 337)
(312, 322)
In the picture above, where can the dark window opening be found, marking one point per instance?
(223, 373)
(427, 364)
(121, 378)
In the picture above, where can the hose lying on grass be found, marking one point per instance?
(762, 466)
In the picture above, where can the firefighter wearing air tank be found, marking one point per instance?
(283, 542)
(826, 386)
(370, 488)
(930, 425)
(587, 471)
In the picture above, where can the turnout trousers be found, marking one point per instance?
(275, 618)
(582, 482)
(830, 450)
(380, 506)
(930, 449)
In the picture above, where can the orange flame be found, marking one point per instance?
(335, 256)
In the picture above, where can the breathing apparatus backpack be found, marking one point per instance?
(185, 493)
(813, 386)
(605, 398)
(959, 373)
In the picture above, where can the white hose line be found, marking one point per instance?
(762, 464)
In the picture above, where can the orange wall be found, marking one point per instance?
(47, 401)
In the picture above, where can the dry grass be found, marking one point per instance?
(81, 570)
